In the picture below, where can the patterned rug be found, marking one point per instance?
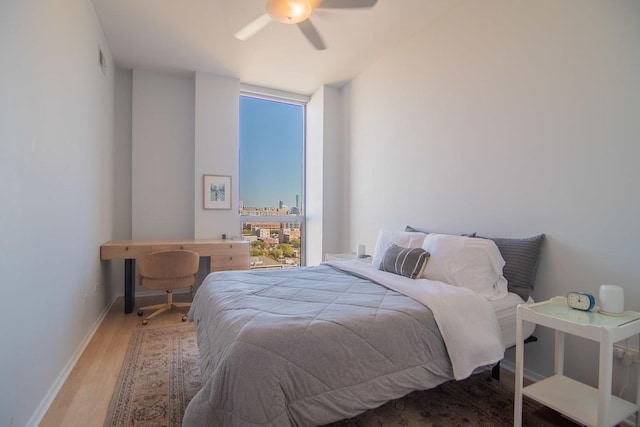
(476, 401)
(161, 374)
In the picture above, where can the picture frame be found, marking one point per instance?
(216, 192)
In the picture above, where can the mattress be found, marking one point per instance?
(505, 309)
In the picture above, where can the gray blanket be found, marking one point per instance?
(307, 346)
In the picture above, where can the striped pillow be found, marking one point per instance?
(521, 257)
(408, 262)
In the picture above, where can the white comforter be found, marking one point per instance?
(467, 321)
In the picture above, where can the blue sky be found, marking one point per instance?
(271, 152)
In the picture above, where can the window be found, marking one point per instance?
(272, 180)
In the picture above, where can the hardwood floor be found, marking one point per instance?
(84, 398)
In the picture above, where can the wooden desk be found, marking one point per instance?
(224, 255)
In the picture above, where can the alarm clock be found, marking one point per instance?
(581, 301)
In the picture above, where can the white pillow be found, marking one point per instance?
(386, 238)
(466, 262)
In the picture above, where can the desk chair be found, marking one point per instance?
(167, 271)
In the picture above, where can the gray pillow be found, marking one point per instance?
(415, 230)
(407, 262)
(521, 257)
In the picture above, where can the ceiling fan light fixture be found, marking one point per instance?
(289, 11)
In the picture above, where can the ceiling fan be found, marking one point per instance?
(297, 12)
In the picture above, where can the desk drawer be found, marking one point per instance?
(229, 249)
(230, 262)
(202, 249)
(124, 252)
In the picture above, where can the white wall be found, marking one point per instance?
(113, 271)
(162, 155)
(511, 119)
(335, 184)
(122, 126)
(325, 176)
(314, 185)
(56, 192)
(184, 126)
(216, 151)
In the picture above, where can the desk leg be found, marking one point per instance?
(129, 285)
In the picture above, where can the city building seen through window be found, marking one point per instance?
(272, 181)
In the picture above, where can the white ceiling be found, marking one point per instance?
(198, 35)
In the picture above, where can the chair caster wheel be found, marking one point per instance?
(144, 322)
(140, 313)
(184, 318)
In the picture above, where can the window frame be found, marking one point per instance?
(275, 95)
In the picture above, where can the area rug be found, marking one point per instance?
(161, 374)
(476, 401)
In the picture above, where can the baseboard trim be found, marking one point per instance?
(530, 375)
(44, 405)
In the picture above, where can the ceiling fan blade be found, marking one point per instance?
(253, 27)
(345, 4)
(310, 32)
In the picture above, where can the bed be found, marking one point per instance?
(313, 345)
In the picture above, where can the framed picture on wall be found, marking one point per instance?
(217, 192)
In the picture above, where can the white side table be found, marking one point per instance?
(580, 402)
(346, 257)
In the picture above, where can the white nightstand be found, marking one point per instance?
(580, 402)
(346, 257)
